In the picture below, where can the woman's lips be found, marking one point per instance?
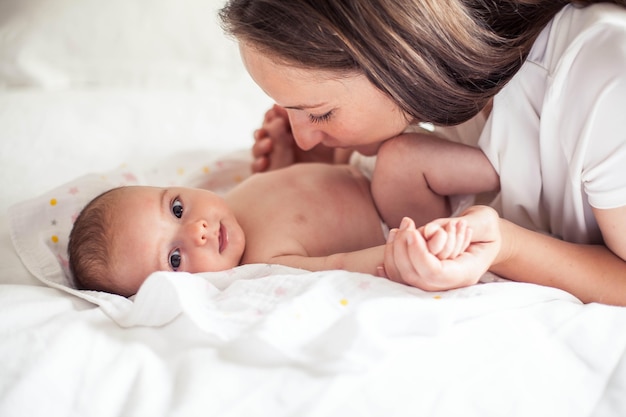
(223, 238)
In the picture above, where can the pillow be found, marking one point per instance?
(40, 227)
(125, 43)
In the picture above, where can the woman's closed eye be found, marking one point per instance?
(320, 118)
(174, 259)
(177, 208)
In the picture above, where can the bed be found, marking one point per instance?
(96, 94)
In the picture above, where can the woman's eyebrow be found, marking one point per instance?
(305, 106)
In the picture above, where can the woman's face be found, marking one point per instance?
(340, 112)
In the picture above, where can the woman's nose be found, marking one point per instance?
(197, 232)
(307, 139)
(306, 135)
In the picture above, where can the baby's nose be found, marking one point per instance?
(198, 231)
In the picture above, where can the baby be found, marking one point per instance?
(313, 216)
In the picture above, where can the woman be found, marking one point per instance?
(353, 74)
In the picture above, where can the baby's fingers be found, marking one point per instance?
(450, 244)
(435, 237)
(449, 240)
(457, 231)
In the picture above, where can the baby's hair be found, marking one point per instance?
(90, 242)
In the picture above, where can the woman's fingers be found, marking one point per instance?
(261, 150)
(389, 266)
(260, 164)
(407, 258)
(262, 146)
(464, 239)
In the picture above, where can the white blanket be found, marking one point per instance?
(152, 88)
(271, 341)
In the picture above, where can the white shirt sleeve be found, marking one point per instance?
(557, 133)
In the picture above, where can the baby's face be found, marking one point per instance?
(172, 229)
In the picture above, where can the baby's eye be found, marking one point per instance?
(321, 118)
(177, 208)
(175, 258)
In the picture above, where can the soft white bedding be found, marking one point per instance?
(152, 88)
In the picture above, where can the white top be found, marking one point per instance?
(557, 131)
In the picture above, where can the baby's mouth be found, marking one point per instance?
(223, 238)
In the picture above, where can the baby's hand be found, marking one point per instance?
(448, 240)
(444, 254)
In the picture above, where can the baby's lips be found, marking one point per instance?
(222, 238)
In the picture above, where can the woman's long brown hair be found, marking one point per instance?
(439, 60)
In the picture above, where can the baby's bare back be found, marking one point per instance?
(307, 209)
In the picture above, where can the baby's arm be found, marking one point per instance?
(436, 261)
(367, 261)
(443, 241)
(275, 146)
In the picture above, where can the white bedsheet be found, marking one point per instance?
(257, 340)
(270, 341)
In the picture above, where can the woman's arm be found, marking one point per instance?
(593, 273)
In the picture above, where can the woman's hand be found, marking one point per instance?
(274, 146)
(445, 253)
